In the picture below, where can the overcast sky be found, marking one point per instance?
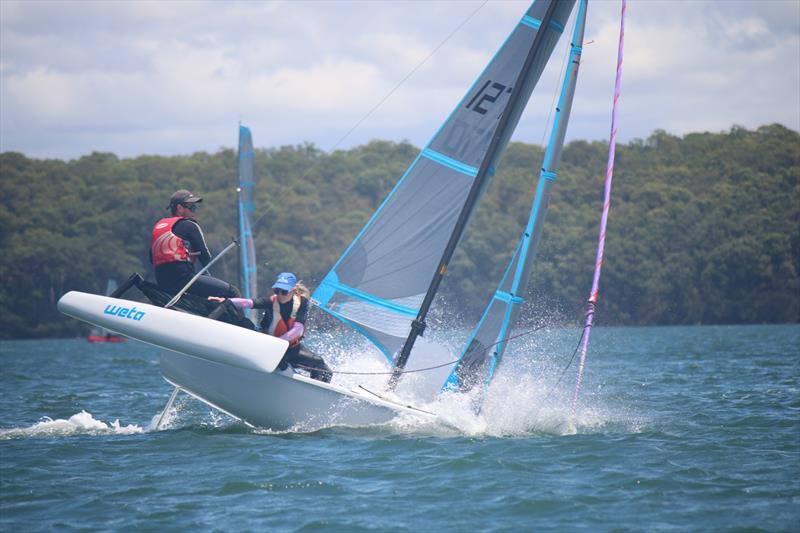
(141, 77)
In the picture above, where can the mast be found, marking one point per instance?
(601, 240)
(239, 214)
(484, 173)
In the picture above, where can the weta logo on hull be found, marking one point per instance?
(124, 312)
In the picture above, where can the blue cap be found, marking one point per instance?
(285, 281)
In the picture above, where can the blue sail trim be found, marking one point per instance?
(374, 300)
(330, 285)
(507, 297)
(326, 289)
(502, 339)
(450, 163)
(536, 23)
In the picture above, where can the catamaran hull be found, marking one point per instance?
(279, 400)
(234, 369)
(177, 331)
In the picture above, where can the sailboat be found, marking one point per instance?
(98, 334)
(248, 271)
(384, 283)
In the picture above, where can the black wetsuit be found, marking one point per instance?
(171, 277)
(298, 355)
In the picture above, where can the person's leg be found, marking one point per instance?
(211, 286)
(299, 356)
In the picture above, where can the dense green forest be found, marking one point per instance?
(704, 229)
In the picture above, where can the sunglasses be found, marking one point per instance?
(282, 292)
(191, 207)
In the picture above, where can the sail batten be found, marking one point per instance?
(449, 162)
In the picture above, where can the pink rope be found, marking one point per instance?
(601, 242)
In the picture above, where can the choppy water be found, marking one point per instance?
(678, 429)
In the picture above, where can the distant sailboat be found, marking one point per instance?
(244, 202)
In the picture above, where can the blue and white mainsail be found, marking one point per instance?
(378, 285)
(246, 184)
(489, 339)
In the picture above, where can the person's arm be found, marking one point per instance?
(295, 333)
(190, 231)
(244, 303)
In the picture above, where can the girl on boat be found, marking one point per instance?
(285, 313)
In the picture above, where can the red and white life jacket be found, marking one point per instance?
(279, 326)
(166, 247)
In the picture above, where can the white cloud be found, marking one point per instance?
(175, 77)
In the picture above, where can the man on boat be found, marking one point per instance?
(177, 243)
(285, 313)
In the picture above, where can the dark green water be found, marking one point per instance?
(693, 428)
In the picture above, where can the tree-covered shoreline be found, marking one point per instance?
(704, 228)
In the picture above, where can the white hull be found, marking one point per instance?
(279, 400)
(234, 369)
(177, 331)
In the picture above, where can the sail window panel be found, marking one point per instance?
(371, 315)
(385, 327)
(473, 366)
(397, 253)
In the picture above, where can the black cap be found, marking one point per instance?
(183, 196)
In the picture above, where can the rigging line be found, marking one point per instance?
(411, 73)
(564, 371)
(389, 94)
(404, 371)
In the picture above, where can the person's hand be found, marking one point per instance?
(216, 299)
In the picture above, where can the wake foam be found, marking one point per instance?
(530, 394)
(82, 423)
